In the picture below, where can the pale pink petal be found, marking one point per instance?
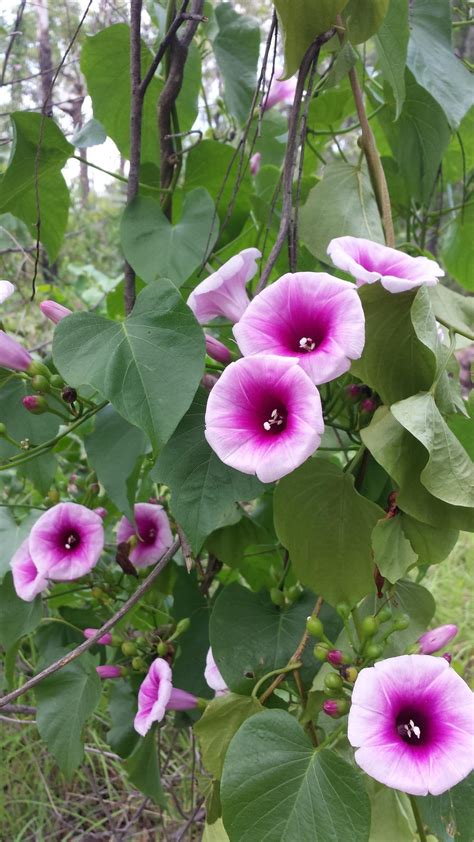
(54, 312)
(27, 581)
(66, 541)
(435, 639)
(369, 262)
(212, 675)
(6, 289)
(223, 293)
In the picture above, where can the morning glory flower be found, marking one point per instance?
(213, 677)
(264, 416)
(433, 640)
(309, 315)
(223, 293)
(53, 311)
(152, 532)
(157, 695)
(27, 580)
(412, 722)
(369, 262)
(12, 354)
(66, 541)
(280, 91)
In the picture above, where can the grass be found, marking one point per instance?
(99, 803)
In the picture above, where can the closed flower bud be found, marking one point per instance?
(320, 652)
(349, 674)
(53, 311)
(368, 405)
(182, 626)
(36, 367)
(57, 381)
(401, 622)
(162, 649)
(335, 657)
(35, 404)
(293, 593)
(129, 648)
(435, 639)
(373, 651)
(101, 512)
(139, 664)
(69, 395)
(109, 671)
(314, 627)
(3, 430)
(354, 392)
(277, 597)
(343, 610)
(384, 615)
(336, 707)
(333, 682)
(447, 657)
(217, 350)
(370, 626)
(40, 383)
(105, 640)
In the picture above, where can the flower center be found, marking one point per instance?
(71, 539)
(307, 344)
(147, 535)
(276, 421)
(413, 727)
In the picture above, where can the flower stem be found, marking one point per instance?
(419, 821)
(280, 671)
(358, 624)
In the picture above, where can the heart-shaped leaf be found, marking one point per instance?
(137, 364)
(156, 248)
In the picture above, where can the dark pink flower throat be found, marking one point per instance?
(413, 726)
(70, 539)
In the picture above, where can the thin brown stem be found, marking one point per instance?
(83, 647)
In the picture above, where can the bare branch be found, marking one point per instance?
(13, 34)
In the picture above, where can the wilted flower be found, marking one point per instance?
(369, 262)
(433, 640)
(66, 541)
(309, 315)
(280, 91)
(157, 695)
(109, 671)
(6, 289)
(264, 416)
(12, 354)
(152, 533)
(53, 311)
(255, 163)
(223, 293)
(412, 722)
(217, 350)
(213, 677)
(27, 580)
(105, 640)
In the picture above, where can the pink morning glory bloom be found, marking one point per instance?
(105, 640)
(12, 354)
(27, 580)
(152, 531)
(264, 416)
(109, 671)
(157, 695)
(217, 350)
(6, 289)
(213, 677)
(66, 541)
(280, 91)
(412, 722)
(53, 311)
(435, 639)
(309, 315)
(255, 162)
(223, 293)
(369, 262)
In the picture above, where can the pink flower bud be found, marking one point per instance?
(335, 657)
(331, 707)
(53, 311)
(354, 392)
(280, 91)
(433, 640)
(35, 404)
(255, 163)
(368, 405)
(101, 512)
(181, 700)
(6, 289)
(12, 354)
(217, 350)
(109, 671)
(105, 640)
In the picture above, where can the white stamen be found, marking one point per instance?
(307, 344)
(68, 546)
(267, 425)
(412, 729)
(275, 420)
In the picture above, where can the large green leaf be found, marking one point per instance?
(113, 448)
(391, 42)
(143, 769)
(364, 18)
(423, 135)
(458, 247)
(342, 203)
(12, 534)
(450, 815)
(326, 526)
(449, 472)
(64, 702)
(302, 21)
(22, 425)
(454, 310)
(218, 724)
(250, 636)
(236, 48)
(208, 164)
(157, 248)
(17, 185)
(105, 62)
(392, 816)
(189, 666)
(203, 489)
(393, 552)
(395, 362)
(431, 544)
(137, 363)
(122, 736)
(276, 787)
(17, 617)
(432, 61)
(404, 458)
